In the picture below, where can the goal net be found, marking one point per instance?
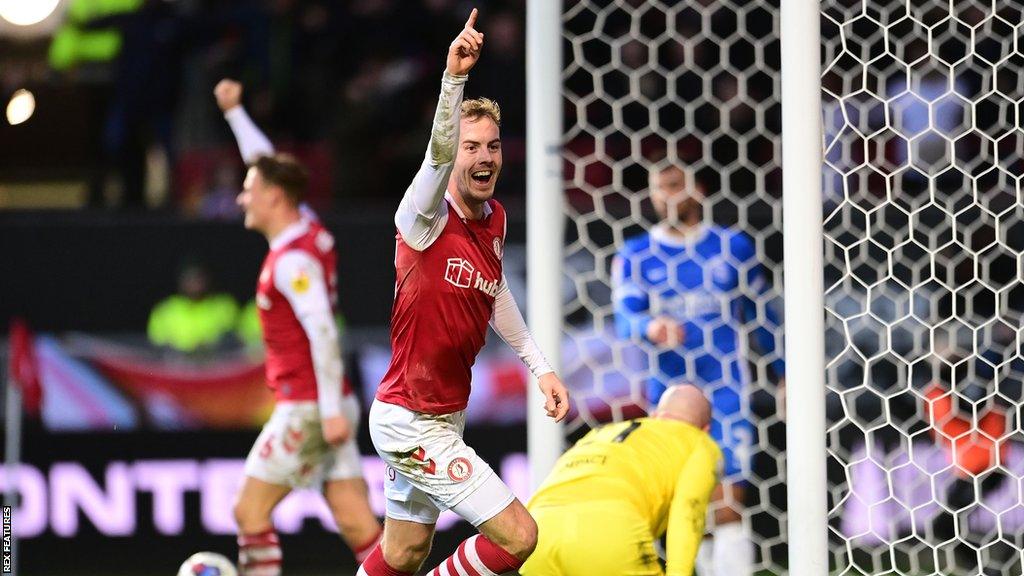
(923, 234)
(924, 152)
(649, 86)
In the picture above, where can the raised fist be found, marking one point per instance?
(228, 94)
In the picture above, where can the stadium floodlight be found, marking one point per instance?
(22, 13)
(21, 107)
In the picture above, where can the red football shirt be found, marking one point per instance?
(444, 298)
(289, 361)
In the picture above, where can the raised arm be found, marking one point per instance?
(508, 322)
(422, 214)
(252, 142)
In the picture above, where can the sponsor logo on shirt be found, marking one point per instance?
(694, 304)
(587, 460)
(462, 274)
(459, 272)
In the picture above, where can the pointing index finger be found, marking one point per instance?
(472, 19)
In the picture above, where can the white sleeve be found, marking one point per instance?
(508, 322)
(422, 214)
(300, 278)
(252, 142)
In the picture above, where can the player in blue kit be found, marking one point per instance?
(686, 290)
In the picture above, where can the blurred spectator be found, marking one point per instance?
(322, 85)
(144, 97)
(77, 40)
(687, 291)
(218, 203)
(194, 318)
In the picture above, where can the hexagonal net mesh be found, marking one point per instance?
(924, 229)
(649, 86)
(923, 158)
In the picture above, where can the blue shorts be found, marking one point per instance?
(730, 423)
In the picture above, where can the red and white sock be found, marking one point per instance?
(363, 552)
(259, 554)
(374, 565)
(477, 556)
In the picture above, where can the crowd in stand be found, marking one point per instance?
(352, 102)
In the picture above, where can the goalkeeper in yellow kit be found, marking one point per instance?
(623, 486)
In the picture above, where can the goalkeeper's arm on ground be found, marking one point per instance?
(697, 480)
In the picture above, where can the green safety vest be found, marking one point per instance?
(72, 43)
(185, 324)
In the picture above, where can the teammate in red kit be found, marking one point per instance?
(310, 437)
(449, 286)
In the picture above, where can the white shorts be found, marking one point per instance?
(430, 467)
(291, 450)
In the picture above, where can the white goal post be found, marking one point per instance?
(544, 218)
(802, 207)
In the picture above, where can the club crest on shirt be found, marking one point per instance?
(497, 247)
(460, 469)
(300, 284)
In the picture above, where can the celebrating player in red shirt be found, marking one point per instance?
(449, 287)
(310, 437)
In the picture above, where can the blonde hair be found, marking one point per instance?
(476, 108)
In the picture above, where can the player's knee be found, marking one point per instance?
(249, 519)
(346, 521)
(406, 556)
(525, 539)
